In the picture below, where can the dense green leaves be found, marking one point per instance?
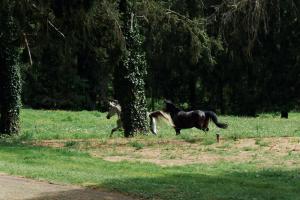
(236, 57)
(74, 72)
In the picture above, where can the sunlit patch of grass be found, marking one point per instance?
(43, 124)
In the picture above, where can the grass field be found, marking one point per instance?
(257, 158)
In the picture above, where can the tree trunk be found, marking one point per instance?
(130, 74)
(10, 78)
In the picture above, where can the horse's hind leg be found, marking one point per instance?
(205, 125)
(205, 129)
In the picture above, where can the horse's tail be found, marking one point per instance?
(160, 114)
(211, 115)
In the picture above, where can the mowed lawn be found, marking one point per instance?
(258, 158)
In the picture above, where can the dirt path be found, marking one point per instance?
(16, 188)
(265, 152)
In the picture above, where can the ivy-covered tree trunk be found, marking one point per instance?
(130, 74)
(10, 79)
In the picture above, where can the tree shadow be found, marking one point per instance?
(80, 194)
(261, 185)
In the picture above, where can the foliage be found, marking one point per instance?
(178, 50)
(74, 72)
(234, 57)
(257, 55)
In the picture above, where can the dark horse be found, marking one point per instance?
(195, 118)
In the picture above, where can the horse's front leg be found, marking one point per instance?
(119, 127)
(177, 131)
(112, 131)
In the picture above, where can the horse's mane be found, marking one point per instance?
(172, 106)
(115, 104)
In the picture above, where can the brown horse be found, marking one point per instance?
(195, 118)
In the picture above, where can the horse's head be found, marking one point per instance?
(114, 108)
(170, 107)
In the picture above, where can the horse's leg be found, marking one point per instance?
(119, 127)
(205, 124)
(205, 129)
(153, 125)
(202, 124)
(112, 131)
(177, 131)
(202, 128)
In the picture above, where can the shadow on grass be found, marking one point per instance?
(262, 185)
(79, 194)
(199, 187)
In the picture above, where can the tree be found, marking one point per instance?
(73, 71)
(130, 74)
(258, 37)
(10, 78)
(178, 51)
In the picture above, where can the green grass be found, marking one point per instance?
(266, 125)
(137, 145)
(41, 124)
(218, 181)
(223, 180)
